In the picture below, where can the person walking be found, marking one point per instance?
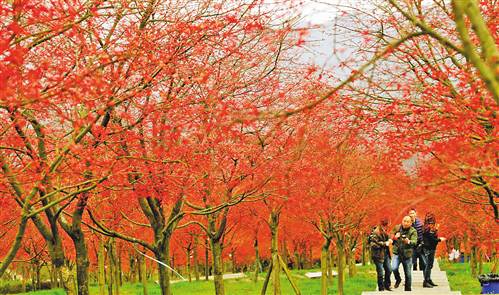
(430, 242)
(404, 239)
(379, 242)
(418, 248)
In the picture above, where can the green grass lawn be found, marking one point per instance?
(364, 280)
(47, 292)
(460, 279)
(459, 275)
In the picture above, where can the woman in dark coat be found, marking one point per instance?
(430, 241)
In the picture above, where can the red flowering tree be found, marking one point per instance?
(435, 96)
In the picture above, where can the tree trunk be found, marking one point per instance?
(297, 260)
(113, 255)
(257, 260)
(102, 274)
(352, 268)
(233, 262)
(53, 277)
(73, 289)
(274, 226)
(285, 254)
(348, 261)
(495, 260)
(58, 274)
(267, 279)
(119, 271)
(288, 275)
(153, 210)
(38, 279)
(75, 231)
(473, 261)
(324, 268)
(341, 267)
(216, 251)
(480, 261)
(364, 252)
(164, 274)
(466, 250)
(33, 277)
(82, 261)
(23, 279)
(330, 266)
(195, 257)
(206, 260)
(110, 272)
(61, 277)
(188, 257)
(310, 257)
(133, 268)
(172, 263)
(142, 274)
(15, 246)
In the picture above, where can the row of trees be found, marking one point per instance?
(172, 127)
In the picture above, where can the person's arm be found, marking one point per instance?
(387, 240)
(413, 238)
(432, 237)
(420, 230)
(375, 241)
(395, 233)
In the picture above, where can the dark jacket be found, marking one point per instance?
(430, 239)
(400, 248)
(377, 241)
(418, 225)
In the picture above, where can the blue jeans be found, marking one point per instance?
(429, 258)
(384, 271)
(407, 264)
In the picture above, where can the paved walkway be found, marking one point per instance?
(439, 277)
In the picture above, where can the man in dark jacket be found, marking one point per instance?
(404, 239)
(418, 249)
(379, 242)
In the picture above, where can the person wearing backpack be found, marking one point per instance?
(404, 238)
(431, 239)
(379, 242)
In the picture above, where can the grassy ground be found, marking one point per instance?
(460, 279)
(47, 292)
(459, 275)
(364, 280)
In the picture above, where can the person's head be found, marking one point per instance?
(383, 223)
(412, 214)
(406, 222)
(429, 221)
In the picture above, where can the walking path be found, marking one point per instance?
(438, 277)
(226, 276)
